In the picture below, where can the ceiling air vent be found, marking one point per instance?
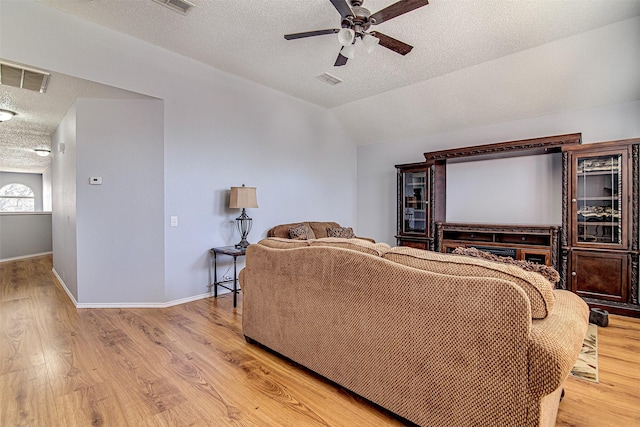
(329, 79)
(182, 6)
(23, 77)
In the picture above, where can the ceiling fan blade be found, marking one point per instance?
(342, 7)
(310, 34)
(390, 43)
(340, 60)
(397, 9)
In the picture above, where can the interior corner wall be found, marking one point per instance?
(219, 131)
(63, 198)
(525, 190)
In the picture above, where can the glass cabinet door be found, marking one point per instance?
(599, 203)
(415, 202)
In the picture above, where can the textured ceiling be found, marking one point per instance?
(246, 37)
(38, 117)
(384, 96)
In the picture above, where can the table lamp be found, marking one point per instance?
(242, 198)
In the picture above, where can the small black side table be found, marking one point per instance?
(230, 251)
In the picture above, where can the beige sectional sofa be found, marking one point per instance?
(440, 340)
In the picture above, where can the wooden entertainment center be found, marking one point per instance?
(539, 244)
(596, 248)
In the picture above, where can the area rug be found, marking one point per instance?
(586, 367)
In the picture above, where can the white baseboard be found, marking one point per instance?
(144, 304)
(127, 304)
(25, 257)
(64, 286)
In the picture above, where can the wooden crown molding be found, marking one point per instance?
(525, 147)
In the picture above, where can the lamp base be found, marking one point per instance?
(243, 223)
(243, 244)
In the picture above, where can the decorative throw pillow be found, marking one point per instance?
(549, 273)
(344, 232)
(301, 232)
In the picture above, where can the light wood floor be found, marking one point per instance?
(189, 365)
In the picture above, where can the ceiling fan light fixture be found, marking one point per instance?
(349, 51)
(6, 115)
(370, 42)
(346, 36)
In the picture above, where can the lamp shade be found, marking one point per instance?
(346, 36)
(349, 51)
(243, 197)
(6, 115)
(370, 42)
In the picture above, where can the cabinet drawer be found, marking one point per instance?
(600, 275)
(467, 235)
(521, 239)
(412, 244)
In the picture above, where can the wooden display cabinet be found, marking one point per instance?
(419, 204)
(600, 248)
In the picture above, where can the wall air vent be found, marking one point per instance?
(23, 77)
(329, 79)
(182, 6)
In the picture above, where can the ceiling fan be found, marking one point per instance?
(356, 20)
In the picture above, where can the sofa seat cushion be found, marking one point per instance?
(538, 289)
(355, 244)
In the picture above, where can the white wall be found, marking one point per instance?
(24, 234)
(46, 190)
(63, 197)
(219, 131)
(519, 190)
(119, 223)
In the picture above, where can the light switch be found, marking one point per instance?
(174, 221)
(95, 180)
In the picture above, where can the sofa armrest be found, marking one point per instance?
(555, 343)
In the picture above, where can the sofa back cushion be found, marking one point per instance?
(355, 244)
(283, 243)
(538, 289)
(282, 230)
(320, 228)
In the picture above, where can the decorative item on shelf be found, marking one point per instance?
(243, 198)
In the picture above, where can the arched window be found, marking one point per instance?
(16, 198)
